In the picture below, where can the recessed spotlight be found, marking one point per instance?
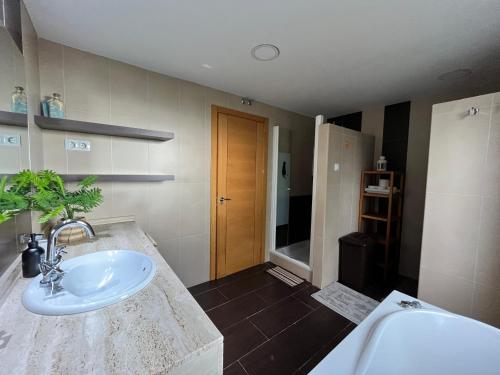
(265, 52)
(207, 66)
(455, 75)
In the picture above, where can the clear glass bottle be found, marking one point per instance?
(19, 102)
(56, 106)
(382, 164)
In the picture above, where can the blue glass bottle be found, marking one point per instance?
(56, 106)
(19, 103)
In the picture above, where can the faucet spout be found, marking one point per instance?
(53, 256)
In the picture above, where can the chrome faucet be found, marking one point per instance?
(53, 256)
(410, 304)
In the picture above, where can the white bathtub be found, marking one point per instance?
(394, 341)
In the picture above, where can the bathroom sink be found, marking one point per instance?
(90, 282)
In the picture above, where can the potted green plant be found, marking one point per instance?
(46, 192)
(12, 201)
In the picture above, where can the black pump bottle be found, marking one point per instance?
(32, 257)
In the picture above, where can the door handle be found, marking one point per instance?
(222, 199)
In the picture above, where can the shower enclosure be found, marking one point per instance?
(293, 196)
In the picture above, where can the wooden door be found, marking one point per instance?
(239, 161)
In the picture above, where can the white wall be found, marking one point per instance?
(337, 194)
(175, 213)
(460, 260)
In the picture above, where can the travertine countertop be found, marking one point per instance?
(156, 331)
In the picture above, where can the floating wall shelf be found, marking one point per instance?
(115, 177)
(102, 129)
(13, 119)
(120, 177)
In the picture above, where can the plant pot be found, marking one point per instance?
(72, 235)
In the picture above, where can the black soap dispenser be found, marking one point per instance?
(32, 257)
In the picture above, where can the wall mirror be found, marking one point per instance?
(14, 149)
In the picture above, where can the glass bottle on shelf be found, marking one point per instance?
(382, 164)
(56, 106)
(19, 101)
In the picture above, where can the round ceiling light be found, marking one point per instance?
(455, 75)
(265, 52)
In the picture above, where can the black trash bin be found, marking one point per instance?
(356, 260)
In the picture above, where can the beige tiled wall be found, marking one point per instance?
(175, 213)
(337, 206)
(460, 262)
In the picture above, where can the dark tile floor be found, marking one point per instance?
(269, 327)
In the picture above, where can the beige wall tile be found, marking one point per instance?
(129, 199)
(194, 208)
(7, 84)
(440, 251)
(51, 68)
(86, 83)
(194, 255)
(487, 270)
(496, 98)
(130, 156)
(97, 160)
(169, 248)
(54, 153)
(128, 87)
(491, 176)
(486, 304)
(105, 210)
(7, 47)
(164, 157)
(10, 159)
(193, 142)
(163, 210)
(481, 102)
(457, 152)
(448, 292)
(451, 234)
(163, 102)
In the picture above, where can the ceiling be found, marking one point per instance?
(337, 56)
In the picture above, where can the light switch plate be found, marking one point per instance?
(336, 167)
(11, 140)
(77, 145)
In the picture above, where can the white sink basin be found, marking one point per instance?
(92, 281)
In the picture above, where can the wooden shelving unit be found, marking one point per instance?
(386, 209)
(49, 123)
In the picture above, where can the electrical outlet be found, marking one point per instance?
(77, 145)
(11, 140)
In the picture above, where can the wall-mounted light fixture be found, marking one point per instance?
(246, 101)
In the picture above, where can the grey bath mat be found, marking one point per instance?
(285, 276)
(345, 301)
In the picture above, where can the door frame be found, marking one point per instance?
(213, 182)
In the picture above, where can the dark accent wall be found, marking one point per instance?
(395, 139)
(299, 218)
(351, 121)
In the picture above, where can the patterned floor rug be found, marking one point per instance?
(350, 304)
